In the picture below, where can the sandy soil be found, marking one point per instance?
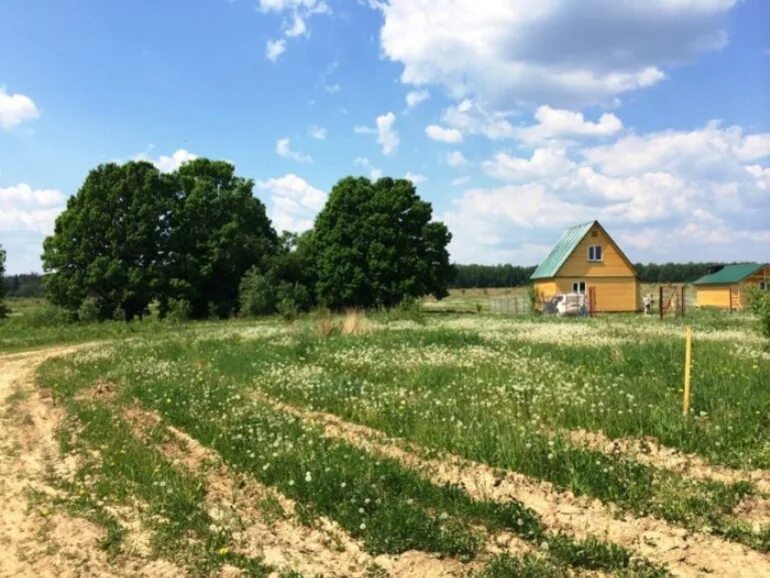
(650, 451)
(36, 540)
(683, 552)
(284, 543)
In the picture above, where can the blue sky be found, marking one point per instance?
(516, 118)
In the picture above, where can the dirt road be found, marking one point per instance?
(34, 540)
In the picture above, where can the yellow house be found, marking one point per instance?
(726, 288)
(586, 260)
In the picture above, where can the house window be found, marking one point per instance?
(579, 287)
(595, 253)
(763, 285)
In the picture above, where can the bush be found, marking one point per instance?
(88, 312)
(292, 299)
(47, 316)
(256, 294)
(759, 301)
(179, 310)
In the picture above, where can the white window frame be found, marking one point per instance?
(576, 287)
(592, 251)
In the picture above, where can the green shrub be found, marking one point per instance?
(759, 302)
(256, 294)
(179, 310)
(89, 312)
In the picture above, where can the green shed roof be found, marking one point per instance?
(569, 240)
(730, 274)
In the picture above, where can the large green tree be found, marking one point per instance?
(375, 245)
(219, 231)
(111, 242)
(3, 306)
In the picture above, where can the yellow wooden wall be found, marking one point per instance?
(712, 296)
(612, 264)
(719, 295)
(613, 294)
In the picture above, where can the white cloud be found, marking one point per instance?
(460, 181)
(667, 196)
(555, 123)
(363, 162)
(168, 163)
(27, 210)
(456, 159)
(283, 149)
(274, 48)
(387, 135)
(558, 52)
(473, 118)
(415, 178)
(294, 202)
(415, 97)
(295, 23)
(317, 132)
(15, 109)
(441, 134)
(544, 163)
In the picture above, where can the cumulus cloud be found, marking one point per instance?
(15, 109)
(671, 195)
(415, 178)
(296, 13)
(27, 215)
(294, 202)
(317, 132)
(387, 135)
(474, 118)
(385, 129)
(415, 97)
(456, 159)
(560, 52)
(366, 164)
(283, 149)
(274, 49)
(441, 134)
(553, 123)
(168, 163)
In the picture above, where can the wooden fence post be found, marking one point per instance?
(660, 302)
(687, 370)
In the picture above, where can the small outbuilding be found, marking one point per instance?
(587, 260)
(726, 288)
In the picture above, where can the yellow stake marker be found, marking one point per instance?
(687, 369)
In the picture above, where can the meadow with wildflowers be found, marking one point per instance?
(524, 400)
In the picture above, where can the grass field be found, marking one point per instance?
(451, 444)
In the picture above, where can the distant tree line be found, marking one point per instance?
(24, 285)
(3, 307)
(467, 276)
(198, 243)
(675, 272)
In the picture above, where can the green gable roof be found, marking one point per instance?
(730, 274)
(569, 240)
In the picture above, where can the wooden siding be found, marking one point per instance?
(713, 296)
(613, 294)
(612, 265)
(719, 296)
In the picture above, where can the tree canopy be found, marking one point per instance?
(110, 242)
(132, 234)
(375, 245)
(219, 231)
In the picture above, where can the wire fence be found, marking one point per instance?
(510, 305)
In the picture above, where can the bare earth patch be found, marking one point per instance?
(240, 502)
(650, 451)
(34, 539)
(683, 552)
